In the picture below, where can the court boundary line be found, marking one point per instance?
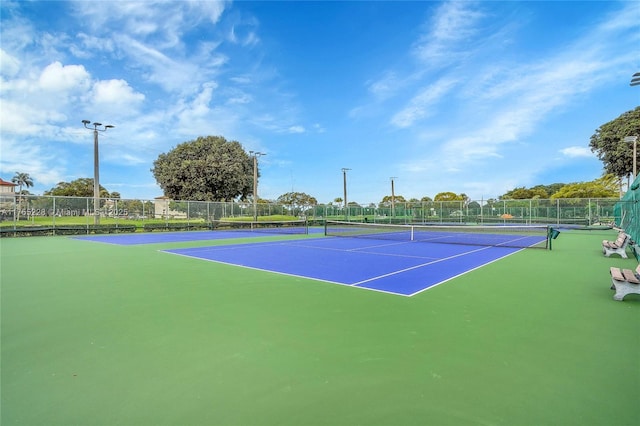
(356, 284)
(285, 273)
(466, 272)
(364, 249)
(421, 265)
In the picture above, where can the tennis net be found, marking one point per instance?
(274, 227)
(517, 236)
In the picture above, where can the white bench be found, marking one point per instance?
(619, 246)
(624, 281)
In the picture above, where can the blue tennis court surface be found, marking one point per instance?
(402, 268)
(174, 237)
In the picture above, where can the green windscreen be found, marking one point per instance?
(627, 211)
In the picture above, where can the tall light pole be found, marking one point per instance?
(393, 198)
(344, 186)
(97, 127)
(633, 139)
(255, 156)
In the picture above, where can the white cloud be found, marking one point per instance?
(19, 118)
(58, 78)
(90, 44)
(197, 110)
(125, 158)
(577, 152)
(388, 85)
(453, 25)
(9, 65)
(141, 19)
(419, 106)
(241, 79)
(296, 129)
(248, 39)
(239, 97)
(31, 158)
(244, 33)
(116, 94)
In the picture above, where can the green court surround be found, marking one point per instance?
(98, 334)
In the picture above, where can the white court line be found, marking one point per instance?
(356, 284)
(283, 273)
(463, 273)
(364, 250)
(420, 266)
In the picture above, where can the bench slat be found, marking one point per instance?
(629, 276)
(616, 274)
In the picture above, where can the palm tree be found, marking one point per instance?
(21, 179)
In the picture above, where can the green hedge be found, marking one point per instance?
(30, 231)
(150, 227)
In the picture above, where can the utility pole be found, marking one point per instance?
(97, 127)
(393, 198)
(255, 156)
(344, 184)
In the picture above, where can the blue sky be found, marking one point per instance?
(463, 96)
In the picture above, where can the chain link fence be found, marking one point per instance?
(47, 215)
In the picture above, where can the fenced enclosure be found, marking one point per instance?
(576, 211)
(48, 215)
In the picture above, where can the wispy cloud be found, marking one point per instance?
(420, 105)
(577, 152)
(505, 100)
(160, 21)
(449, 33)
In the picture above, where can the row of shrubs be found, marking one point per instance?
(29, 231)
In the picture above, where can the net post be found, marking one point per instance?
(552, 234)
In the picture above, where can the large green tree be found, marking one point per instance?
(206, 169)
(396, 198)
(607, 143)
(522, 193)
(450, 196)
(82, 187)
(604, 187)
(297, 199)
